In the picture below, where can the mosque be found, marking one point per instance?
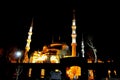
(55, 49)
(59, 53)
(56, 62)
(58, 50)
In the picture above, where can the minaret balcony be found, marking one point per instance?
(73, 27)
(73, 35)
(28, 40)
(30, 33)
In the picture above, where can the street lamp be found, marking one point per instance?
(18, 54)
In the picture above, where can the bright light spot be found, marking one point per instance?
(56, 70)
(18, 54)
(53, 59)
(42, 58)
(73, 72)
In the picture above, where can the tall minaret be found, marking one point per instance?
(74, 35)
(29, 37)
(27, 47)
(82, 47)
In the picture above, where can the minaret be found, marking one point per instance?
(73, 35)
(29, 37)
(82, 47)
(27, 47)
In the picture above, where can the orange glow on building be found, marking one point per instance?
(91, 75)
(73, 72)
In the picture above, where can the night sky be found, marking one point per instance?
(96, 20)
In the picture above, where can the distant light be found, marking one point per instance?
(42, 73)
(18, 54)
(57, 70)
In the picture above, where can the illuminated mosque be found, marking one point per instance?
(67, 63)
(55, 52)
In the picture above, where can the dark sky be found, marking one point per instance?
(95, 19)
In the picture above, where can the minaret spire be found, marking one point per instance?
(29, 37)
(82, 46)
(74, 35)
(27, 47)
(73, 22)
